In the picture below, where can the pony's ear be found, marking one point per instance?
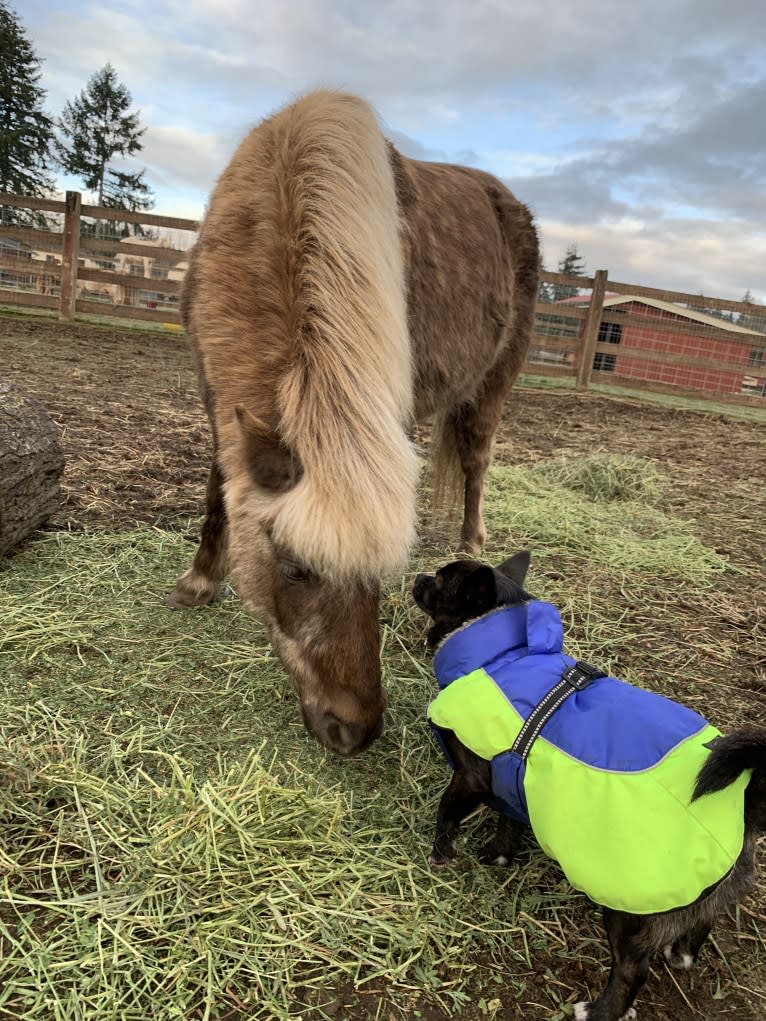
(272, 464)
(516, 567)
(477, 593)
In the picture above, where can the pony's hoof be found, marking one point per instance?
(176, 600)
(191, 590)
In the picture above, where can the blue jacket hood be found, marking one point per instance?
(525, 628)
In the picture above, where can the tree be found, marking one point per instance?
(752, 320)
(129, 191)
(716, 313)
(97, 127)
(572, 264)
(26, 131)
(545, 290)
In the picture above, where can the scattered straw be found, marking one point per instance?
(174, 845)
(602, 509)
(606, 477)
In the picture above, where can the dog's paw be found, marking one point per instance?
(443, 850)
(583, 1012)
(438, 862)
(437, 859)
(683, 961)
(490, 855)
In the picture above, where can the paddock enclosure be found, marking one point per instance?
(174, 844)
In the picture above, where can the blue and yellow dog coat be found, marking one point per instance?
(602, 771)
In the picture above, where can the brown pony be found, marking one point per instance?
(338, 293)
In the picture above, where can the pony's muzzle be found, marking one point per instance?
(340, 737)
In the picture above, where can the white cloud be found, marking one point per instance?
(693, 256)
(176, 154)
(635, 129)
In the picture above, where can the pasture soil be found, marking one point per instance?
(137, 444)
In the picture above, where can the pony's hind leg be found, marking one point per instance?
(463, 440)
(475, 458)
(475, 426)
(199, 585)
(461, 452)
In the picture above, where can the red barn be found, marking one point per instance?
(693, 352)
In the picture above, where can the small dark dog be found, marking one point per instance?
(454, 598)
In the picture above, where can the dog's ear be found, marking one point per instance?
(477, 593)
(516, 567)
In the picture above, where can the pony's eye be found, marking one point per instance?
(295, 573)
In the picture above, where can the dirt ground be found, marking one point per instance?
(136, 445)
(136, 440)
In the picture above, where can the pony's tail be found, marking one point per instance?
(447, 478)
(731, 756)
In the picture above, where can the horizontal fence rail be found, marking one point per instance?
(93, 260)
(80, 259)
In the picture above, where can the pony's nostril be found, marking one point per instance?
(343, 738)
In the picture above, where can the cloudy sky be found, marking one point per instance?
(636, 130)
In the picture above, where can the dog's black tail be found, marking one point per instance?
(730, 755)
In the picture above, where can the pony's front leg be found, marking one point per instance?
(200, 584)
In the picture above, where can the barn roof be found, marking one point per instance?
(665, 306)
(679, 310)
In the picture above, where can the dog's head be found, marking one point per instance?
(466, 589)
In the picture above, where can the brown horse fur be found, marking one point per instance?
(338, 293)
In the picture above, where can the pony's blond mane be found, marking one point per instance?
(323, 353)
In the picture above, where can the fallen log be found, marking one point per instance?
(31, 463)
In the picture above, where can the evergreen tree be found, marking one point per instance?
(26, 132)
(716, 313)
(572, 264)
(545, 290)
(97, 127)
(755, 320)
(129, 191)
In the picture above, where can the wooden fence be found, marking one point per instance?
(588, 329)
(79, 265)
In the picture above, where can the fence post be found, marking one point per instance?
(590, 333)
(70, 253)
